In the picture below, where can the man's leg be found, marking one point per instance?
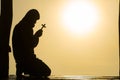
(40, 69)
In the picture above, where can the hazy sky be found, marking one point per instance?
(74, 44)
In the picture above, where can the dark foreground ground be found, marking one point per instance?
(13, 77)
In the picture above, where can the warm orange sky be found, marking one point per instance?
(94, 52)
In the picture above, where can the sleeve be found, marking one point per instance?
(35, 41)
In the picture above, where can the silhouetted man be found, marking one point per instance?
(24, 42)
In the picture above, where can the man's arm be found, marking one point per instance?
(36, 37)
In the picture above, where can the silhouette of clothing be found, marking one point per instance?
(24, 42)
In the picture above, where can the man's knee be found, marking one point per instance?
(48, 72)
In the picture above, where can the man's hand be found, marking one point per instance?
(39, 33)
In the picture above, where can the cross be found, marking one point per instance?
(43, 26)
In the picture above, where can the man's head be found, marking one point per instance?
(31, 17)
(33, 14)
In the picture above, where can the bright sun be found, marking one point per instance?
(80, 17)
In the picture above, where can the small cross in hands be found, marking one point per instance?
(43, 26)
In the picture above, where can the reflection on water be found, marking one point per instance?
(70, 77)
(13, 77)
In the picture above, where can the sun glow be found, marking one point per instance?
(80, 17)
